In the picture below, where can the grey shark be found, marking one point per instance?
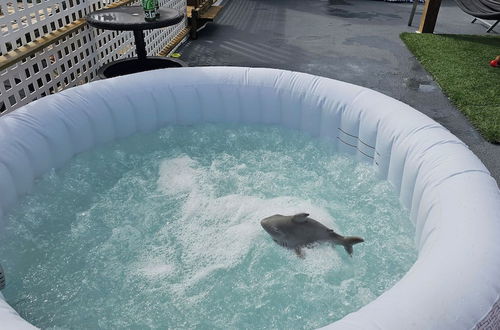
(297, 231)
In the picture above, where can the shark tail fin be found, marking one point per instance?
(349, 241)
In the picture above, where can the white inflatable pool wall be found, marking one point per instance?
(454, 203)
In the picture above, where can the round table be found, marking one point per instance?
(131, 18)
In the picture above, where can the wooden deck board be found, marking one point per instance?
(189, 11)
(211, 13)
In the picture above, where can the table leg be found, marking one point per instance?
(140, 45)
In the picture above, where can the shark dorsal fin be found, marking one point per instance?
(300, 217)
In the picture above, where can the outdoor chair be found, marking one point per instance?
(482, 9)
(479, 9)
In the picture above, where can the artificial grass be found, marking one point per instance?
(460, 65)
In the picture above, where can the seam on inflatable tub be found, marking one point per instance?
(443, 142)
(460, 173)
(408, 151)
(176, 105)
(422, 128)
(280, 108)
(241, 113)
(157, 111)
(222, 103)
(436, 184)
(355, 98)
(414, 188)
(246, 73)
(260, 107)
(348, 106)
(377, 130)
(401, 173)
(198, 98)
(113, 118)
(45, 138)
(68, 132)
(423, 242)
(28, 155)
(420, 157)
(386, 161)
(314, 83)
(136, 119)
(293, 81)
(12, 178)
(25, 150)
(89, 118)
(298, 112)
(321, 106)
(278, 79)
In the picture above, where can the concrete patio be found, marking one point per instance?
(356, 41)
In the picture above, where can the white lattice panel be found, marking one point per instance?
(71, 61)
(157, 39)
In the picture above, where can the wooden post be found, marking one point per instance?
(429, 16)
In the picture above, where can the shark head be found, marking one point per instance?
(272, 228)
(279, 226)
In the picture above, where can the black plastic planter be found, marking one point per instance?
(134, 65)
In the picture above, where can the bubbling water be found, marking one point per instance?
(163, 231)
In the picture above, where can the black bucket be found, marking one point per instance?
(133, 65)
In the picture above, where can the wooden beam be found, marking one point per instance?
(211, 13)
(174, 42)
(189, 11)
(38, 44)
(429, 16)
(20, 53)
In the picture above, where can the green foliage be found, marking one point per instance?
(460, 65)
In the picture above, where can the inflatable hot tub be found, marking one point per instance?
(453, 201)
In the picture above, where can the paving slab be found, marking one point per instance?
(356, 41)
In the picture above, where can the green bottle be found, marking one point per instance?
(149, 7)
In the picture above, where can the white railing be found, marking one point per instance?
(72, 60)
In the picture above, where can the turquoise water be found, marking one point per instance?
(162, 231)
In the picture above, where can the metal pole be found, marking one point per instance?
(492, 26)
(140, 45)
(413, 9)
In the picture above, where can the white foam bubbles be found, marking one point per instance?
(156, 270)
(177, 175)
(217, 232)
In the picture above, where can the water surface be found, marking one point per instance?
(162, 231)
